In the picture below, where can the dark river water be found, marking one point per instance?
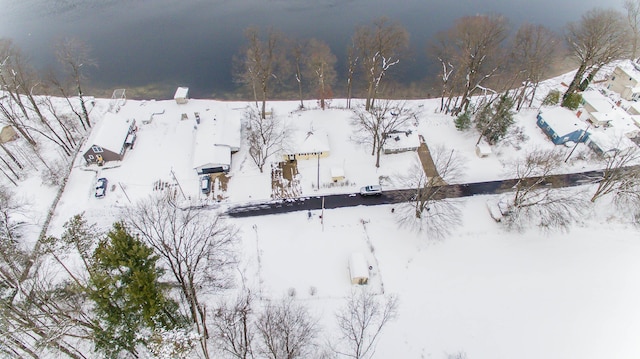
(155, 45)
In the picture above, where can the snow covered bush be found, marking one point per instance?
(552, 98)
(172, 344)
(55, 173)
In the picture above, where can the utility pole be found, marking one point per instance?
(577, 142)
(322, 215)
(123, 191)
(178, 183)
(318, 171)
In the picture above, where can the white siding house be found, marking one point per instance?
(625, 82)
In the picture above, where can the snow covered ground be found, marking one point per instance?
(483, 290)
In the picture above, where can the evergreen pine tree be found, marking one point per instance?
(127, 294)
(493, 121)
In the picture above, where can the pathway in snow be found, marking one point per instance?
(428, 165)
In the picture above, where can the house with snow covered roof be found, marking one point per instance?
(626, 82)
(110, 139)
(215, 140)
(561, 125)
(596, 105)
(609, 141)
(307, 145)
(404, 140)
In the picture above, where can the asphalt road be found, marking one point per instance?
(403, 195)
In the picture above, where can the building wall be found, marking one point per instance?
(575, 136)
(91, 156)
(619, 81)
(307, 156)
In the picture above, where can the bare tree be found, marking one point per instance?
(633, 19)
(531, 50)
(535, 200)
(620, 177)
(234, 327)
(266, 136)
(75, 56)
(377, 124)
(55, 82)
(380, 47)
(41, 313)
(195, 246)
(427, 209)
(286, 330)
(299, 52)
(361, 322)
(598, 38)
(352, 64)
(262, 62)
(21, 79)
(8, 56)
(321, 66)
(472, 47)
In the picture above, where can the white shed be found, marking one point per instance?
(358, 269)
(182, 95)
(483, 150)
(337, 174)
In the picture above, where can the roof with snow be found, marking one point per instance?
(630, 72)
(609, 140)
(618, 121)
(181, 92)
(312, 141)
(110, 133)
(597, 100)
(562, 120)
(358, 267)
(402, 139)
(635, 106)
(215, 139)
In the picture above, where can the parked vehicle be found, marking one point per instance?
(372, 190)
(498, 208)
(205, 184)
(101, 187)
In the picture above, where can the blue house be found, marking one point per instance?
(562, 125)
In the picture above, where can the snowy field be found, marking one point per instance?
(483, 290)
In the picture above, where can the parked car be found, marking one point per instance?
(101, 187)
(498, 209)
(205, 184)
(371, 190)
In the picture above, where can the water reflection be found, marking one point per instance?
(141, 43)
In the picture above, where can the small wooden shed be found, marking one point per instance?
(337, 174)
(358, 269)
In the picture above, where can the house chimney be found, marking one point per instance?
(579, 113)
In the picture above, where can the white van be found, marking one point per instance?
(372, 190)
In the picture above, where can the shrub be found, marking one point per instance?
(572, 101)
(463, 121)
(552, 98)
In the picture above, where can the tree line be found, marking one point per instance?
(30, 103)
(162, 282)
(478, 54)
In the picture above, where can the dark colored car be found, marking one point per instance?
(101, 187)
